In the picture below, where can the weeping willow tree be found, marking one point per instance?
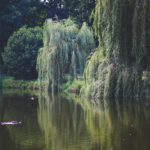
(120, 65)
(64, 53)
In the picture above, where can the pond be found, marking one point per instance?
(64, 122)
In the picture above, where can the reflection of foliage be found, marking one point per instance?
(65, 50)
(62, 123)
(118, 125)
(14, 105)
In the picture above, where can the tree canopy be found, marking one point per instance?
(17, 13)
(21, 52)
(121, 63)
(66, 47)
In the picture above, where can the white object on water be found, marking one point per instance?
(10, 123)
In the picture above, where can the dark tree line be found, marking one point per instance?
(17, 13)
(31, 13)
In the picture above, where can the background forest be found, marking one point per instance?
(15, 14)
(98, 48)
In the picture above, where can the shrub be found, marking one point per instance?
(21, 52)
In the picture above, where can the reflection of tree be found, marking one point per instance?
(63, 124)
(120, 126)
(26, 136)
(78, 124)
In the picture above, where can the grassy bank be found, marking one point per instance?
(11, 83)
(71, 86)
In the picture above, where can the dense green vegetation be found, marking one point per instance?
(11, 83)
(97, 49)
(17, 13)
(80, 10)
(118, 67)
(65, 50)
(21, 53)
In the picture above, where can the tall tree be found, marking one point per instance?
(16, 13)
(123, 29)
(80, 9)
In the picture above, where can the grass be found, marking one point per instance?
(11, 83)
(73, 84)
(69, 86)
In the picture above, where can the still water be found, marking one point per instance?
(51, 122)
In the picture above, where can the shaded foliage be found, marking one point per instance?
(21, 52)
(14, 14)
(80, 10)
(17, 13)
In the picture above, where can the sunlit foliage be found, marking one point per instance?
(64, 53)
(123, 30)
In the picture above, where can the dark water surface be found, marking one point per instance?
(56, 123)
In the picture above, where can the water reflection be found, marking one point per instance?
(77, 124)
(15, 105)
(122, 125)
(63, 124)
(53, 122)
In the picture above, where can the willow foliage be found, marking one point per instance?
(64, 53)
(123, 29)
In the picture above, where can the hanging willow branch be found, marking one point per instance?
(65, 50)
(123, 29)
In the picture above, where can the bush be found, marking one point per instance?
(11, 83)
(73, 85)
(21, 52)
